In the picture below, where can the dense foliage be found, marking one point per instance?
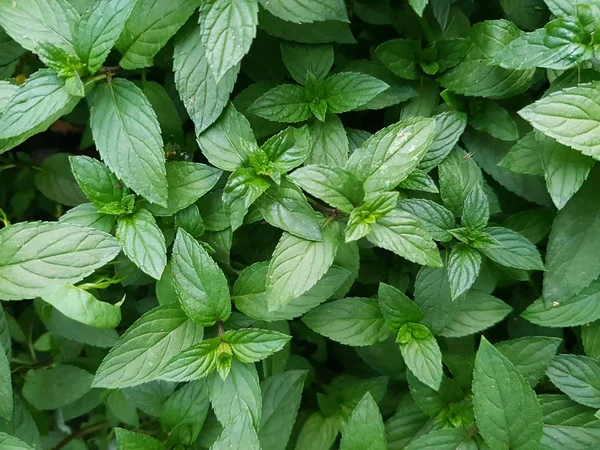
(299, 224)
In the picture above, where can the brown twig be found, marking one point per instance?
(109, 70)
(81, 433)
(220, 327)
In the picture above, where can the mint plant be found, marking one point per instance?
(299, 225)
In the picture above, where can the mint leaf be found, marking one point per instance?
(101, 186)
(92, 42)
(530, 355)
(570, 116)
(396, 307)
(364, 428)
(128, 138)
(307, 11)
(289, 148)
(227, 28)
(434, 218)
(81, 306)
(476, 209)
(389, 156)
(145, 348)
(29, 262)
(463, 265)
(56, 181)
(401, 57)
(6, 389)
(56, 387)
(329, 142)
(184, 413)
(346, 91)
(243, 188)
(200, 284)
(361, 218)
(458, 175)
(251, 345)
(401, 233)
(451, 439)
(87, 215)
(578, 377)
(511, 249)
(449, 126)
(491, 118)
(143, 242)
(318, 432)
(12, 443)
(128, 440)
(285, 103)
(203, 96)
(525, 156)
(300, 60)
(350, 321)
(298, 264)
(421, 353)
(502, 398)
(195, 362)
(238, 433)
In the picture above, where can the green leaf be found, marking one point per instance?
(307, 11)
(346, 91)
(524, 157)
(167, 113)
(564, 168)
(449, 126)
(300, 59)
(238, 393)
(434, 218)
(476, 311)
(530, 355)
(389, 156)
(285, 103)
(571, 263)
(458, 175)
(361, 218)
(432, 295)
(35, 106)
(55, 181)
(285, 207)
(289, 148)
(329, 142)
(227, 28)
(489, 117)
(143, 242)
(87, 215)
(252, 345)
(195, 362)
(578, 309)
(200, 284)
(31, 22)
(12, 443)
(151, 24)
(571, 116)
(128, 440)
(463, 265)
(350, 321)
(184, 412)
(203, 96)
(281, 395)
(507, 410)
(5, 337)
(187, 182)
(476, 210)
(578, 377)
(421, 353)
(81, 306)
(511, 249)
(145, 348)
(590, 332)
(396, 307)
(93, 43)
(447, 439)
(243, 188)
(402, 233)
(238, 434)
(418, 6)
(400, 56)
(101, 186)
(364, 429)
(6, 389)
(318, 432)
(336, 186)
(30, 261)
(128, 138)
(56, 387)
(223, 143)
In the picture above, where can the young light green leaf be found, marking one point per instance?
(200, 284)
(350, 321)
(281, 395)
(204, 98)
(578, 309)
(511, 249)
(285, 103)
(128, 138)
(507, 410)
(243, 188)
(227, 28)
(578, 377)
(285, 207)
(101, 186)
(98, 29)
(6, 389)
(364, 429)
(476, 312)
(463, 268)
(390, 155)
(187, 182)
(143, 242)
(298, 264)
(150, 25)
(531, 355)
(36, 255)
(128, 440)
(346, 91)
(300, 59)
(307, 11)
(402, 233)
(238, 393)
(362, 217)
(56, 387)
(571, 116)
(184, 413)
(81, 306)
(145, 348)
(289, 148)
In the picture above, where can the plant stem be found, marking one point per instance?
(81, 433)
